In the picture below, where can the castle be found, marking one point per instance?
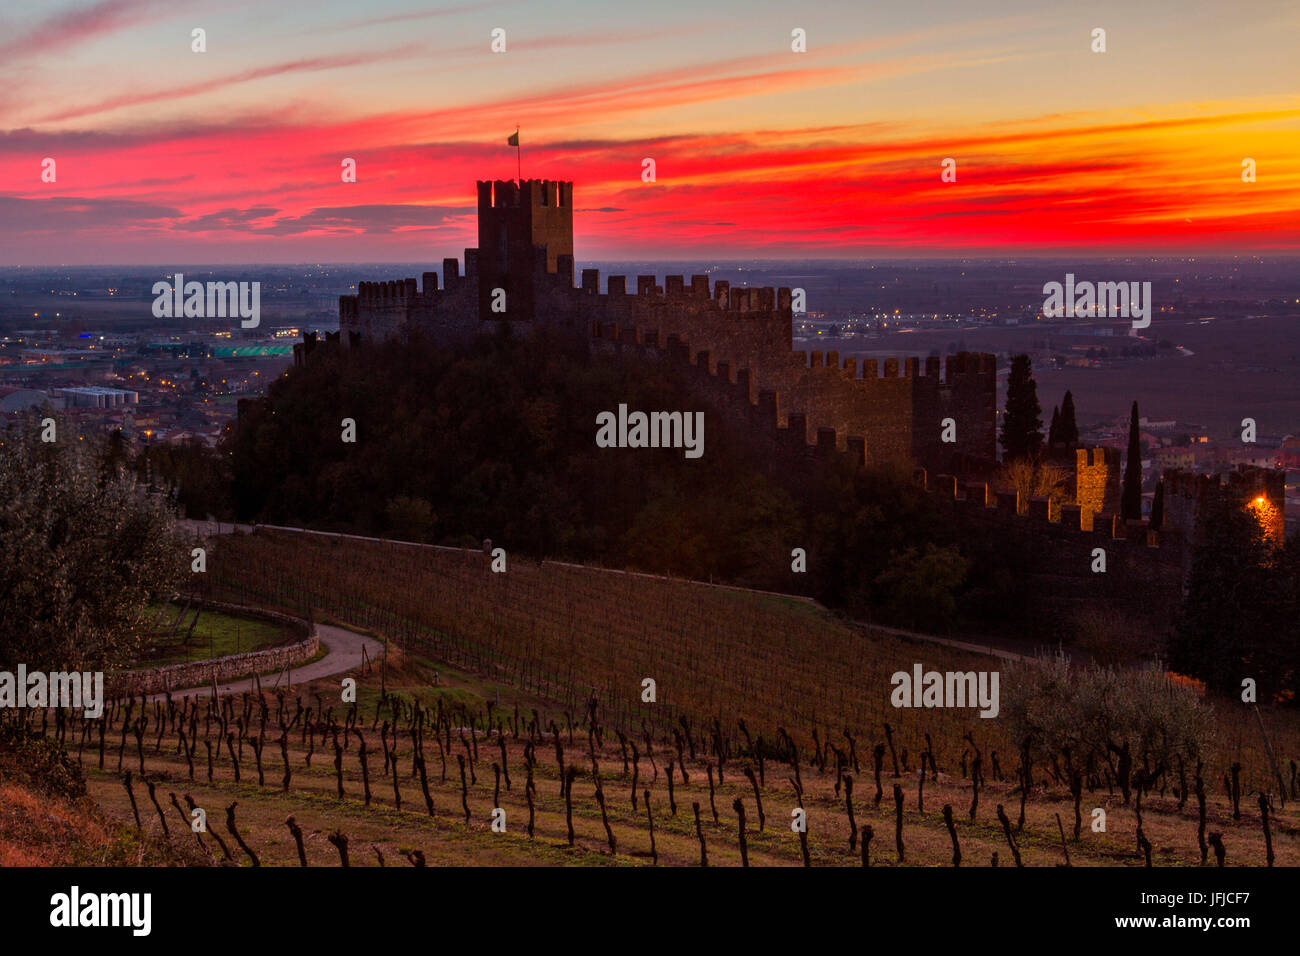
(739, 343)
(522, 272)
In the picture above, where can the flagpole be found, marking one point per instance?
(519, 158)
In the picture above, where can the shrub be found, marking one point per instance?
(921, 587)
(1058, 705)
(38, 762)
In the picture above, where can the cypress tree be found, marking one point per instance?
(1131, 497)
(1158, 507)
(1069, 428)
(1022, 429)
(1054, 429)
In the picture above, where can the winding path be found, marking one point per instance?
(343, 653)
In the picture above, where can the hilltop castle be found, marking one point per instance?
(522, 272)
(737, 345)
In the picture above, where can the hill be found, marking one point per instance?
(463, 723)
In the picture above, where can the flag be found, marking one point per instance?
(514, 139)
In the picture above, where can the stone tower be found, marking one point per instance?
(1097, 489)
(523, 229)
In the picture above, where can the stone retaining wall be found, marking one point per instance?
(176, 677)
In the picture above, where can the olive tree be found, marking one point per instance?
(84, 550)
(1085, 707)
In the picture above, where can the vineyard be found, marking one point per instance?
(566, 632)
(521, 692)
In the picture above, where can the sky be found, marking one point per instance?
(164, 155)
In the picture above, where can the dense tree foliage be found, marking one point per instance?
(1241, 616)
(198, 477)
(1088, 708)
(1157, 517)
(498, 441)
(83, 549)
(921, 586)
(1064, 430)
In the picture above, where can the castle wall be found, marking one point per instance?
(526, 248)
(803, 408)
(971, 400)
(896, 408)
(878, 409)
(380, 310)
(1054, 553)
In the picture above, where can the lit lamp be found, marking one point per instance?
(1267, 516)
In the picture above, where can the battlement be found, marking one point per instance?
(812, 393)
(1096, 482)
(517, 220)
(900, 414)
(1248, 481)
(789, 436)
(513, 194)
(1097, 457)
(1065, 521)
(802, 407)
(963, 366)
(382, 292)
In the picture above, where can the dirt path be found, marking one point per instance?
(343, 653)
(990, 649)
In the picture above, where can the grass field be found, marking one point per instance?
(215, 634)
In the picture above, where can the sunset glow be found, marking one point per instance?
(166, 155)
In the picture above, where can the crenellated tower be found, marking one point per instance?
(523, 230)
